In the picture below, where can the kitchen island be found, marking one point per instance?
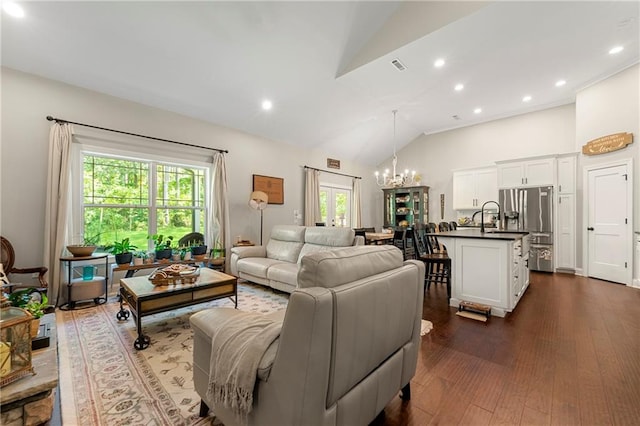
(489, 268)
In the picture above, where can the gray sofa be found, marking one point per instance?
(276, 264)
(348, 342)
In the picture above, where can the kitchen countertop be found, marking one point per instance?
(491, 234)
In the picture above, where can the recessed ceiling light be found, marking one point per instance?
(560, 83)
(439, 63)
(477, 110)
(459, 87)
(615, 50)
(526, 98)
(13, 9)
(267, 105)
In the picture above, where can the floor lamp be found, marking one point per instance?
(259, 201)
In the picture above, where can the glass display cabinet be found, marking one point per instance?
(406, 207)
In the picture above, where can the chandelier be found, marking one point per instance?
(395, 179)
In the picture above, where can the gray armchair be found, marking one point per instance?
(348, 344)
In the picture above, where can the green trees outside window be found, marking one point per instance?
(133, 198)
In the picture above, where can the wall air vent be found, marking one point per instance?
(399, 65)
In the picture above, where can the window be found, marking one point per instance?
(126, 197)
(335, 205)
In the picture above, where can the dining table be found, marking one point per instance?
(378, 237)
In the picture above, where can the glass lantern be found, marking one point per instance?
(15, 344)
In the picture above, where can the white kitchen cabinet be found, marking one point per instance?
(521, 269)
(567, 174)
(471, 188)
(565, 253)
(527, 173)
(566, 233)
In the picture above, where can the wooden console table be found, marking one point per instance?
(31, 398)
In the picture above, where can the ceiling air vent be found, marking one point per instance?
(399, 65)
(455, 117)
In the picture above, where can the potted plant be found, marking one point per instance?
(32, 301)
(162, 246)
(86, 248)
(198, 248)
(218, 254)
(122, 251)
(175, 254)
(185, 253)
(139, 256)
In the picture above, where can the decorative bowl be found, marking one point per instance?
(81, 251)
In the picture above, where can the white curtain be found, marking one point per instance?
(312, 197)
(57, 209)
(357, 202)
(218, 229)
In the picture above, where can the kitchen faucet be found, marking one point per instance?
(482, 214)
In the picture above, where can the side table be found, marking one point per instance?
(79, 289)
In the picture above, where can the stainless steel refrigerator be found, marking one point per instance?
(531, 209)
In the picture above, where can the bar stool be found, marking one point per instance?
(443, 226)
(437, 263)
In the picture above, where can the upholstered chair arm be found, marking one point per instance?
(39, 270)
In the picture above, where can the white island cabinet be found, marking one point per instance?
(490, 268)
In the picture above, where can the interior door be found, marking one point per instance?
(609, 234)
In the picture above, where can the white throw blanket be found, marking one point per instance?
(236, 350)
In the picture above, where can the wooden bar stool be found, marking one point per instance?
(437, 263)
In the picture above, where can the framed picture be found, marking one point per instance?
(272, 186)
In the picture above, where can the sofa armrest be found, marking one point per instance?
(250, 251)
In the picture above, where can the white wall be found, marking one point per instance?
(610, 106)
(27, 100)
(551, 131)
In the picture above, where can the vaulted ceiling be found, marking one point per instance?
(327, 66)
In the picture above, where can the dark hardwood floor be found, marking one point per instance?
(568, 354)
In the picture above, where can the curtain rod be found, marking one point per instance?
(335, 173)
(60, 120)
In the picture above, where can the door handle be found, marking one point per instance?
(590, 228)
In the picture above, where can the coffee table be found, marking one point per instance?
(145, 299)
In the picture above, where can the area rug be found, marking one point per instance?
(104, 381)
(425, 327)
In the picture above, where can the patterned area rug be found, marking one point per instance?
(105, 381)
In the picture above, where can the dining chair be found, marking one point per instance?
(453, 225)
(362, 233)
(404, 240)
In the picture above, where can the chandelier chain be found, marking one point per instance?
(395, 179)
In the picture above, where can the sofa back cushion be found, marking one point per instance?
(343, 265)
(322, 239)
(286, 242)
